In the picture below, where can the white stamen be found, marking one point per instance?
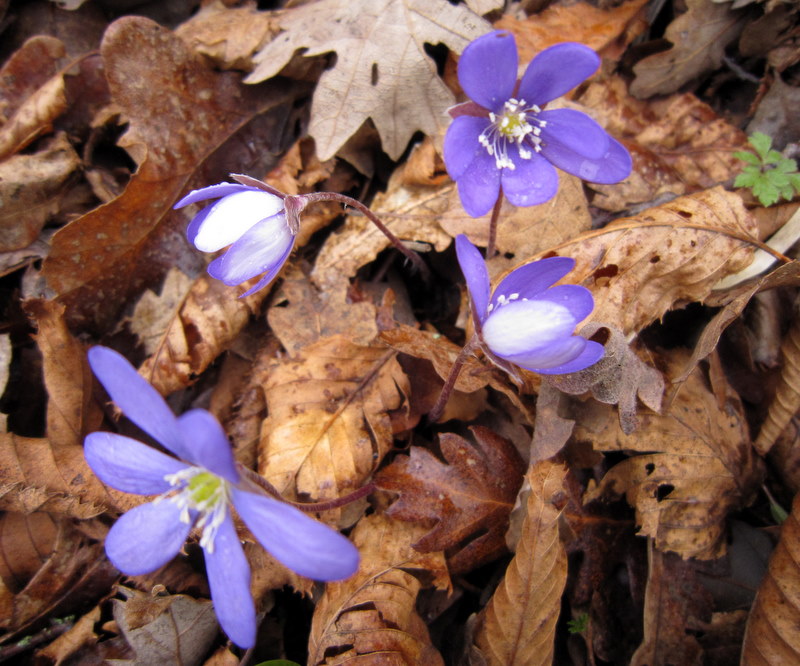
(517, 124)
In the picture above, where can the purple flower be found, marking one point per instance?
(198, 493)
(527, 321)
(249, 219)
(504, 137)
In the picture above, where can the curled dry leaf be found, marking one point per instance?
(181, 113)
(518, 626)
(694, 465)
(392, 80)
(699, 38)
(31, 189)
(372, 615)
(468, 499)
(333, 410)
(185, 329)
(771, 636)
(32, 95)
(172, 629)
(25, 541)
(638, 268)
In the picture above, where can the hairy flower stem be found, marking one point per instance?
(490, 249)
(412, 256)
(438, 409)
(310, 507)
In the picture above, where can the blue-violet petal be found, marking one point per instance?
(461, 146)
(212, 192)
(474, 269)
(556, 71)
(521, 326)
(532, 182)
(479, 186)
(231, 217)
(530, 279)
(208, 444)
(487, 69)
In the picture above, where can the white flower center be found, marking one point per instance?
(519, 124)
(205, 493)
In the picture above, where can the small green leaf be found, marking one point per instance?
(579, 624)
(766, 192)
(762, 143)
(750, 158)
(779, 514)
(747, 178)
(794, 180)
(773, 157)
(776, 178)
(786, 165)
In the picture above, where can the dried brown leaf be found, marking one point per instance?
(371, 616)
(330, 417)
(771, 636)
(382, 71)
(699, 38)
(181, 114)
(519, 624)
(638, 268)
(32, 92)
(173, 629)
(694, 465)
(468, 499)
(73, 640)
(25, 542)
(31, 189)
(198, 325)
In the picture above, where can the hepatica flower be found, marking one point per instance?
(505, 137)
(196, 490)
(249, 219)
(526, 320)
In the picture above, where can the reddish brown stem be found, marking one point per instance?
(438, 409)
(490, 246)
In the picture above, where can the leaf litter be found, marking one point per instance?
(497, 534)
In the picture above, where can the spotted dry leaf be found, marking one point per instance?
(372, 616)
(690, 466)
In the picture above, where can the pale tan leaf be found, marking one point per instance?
(638, 268)
(196, 326)
(699, 38)
(519, 624)
(330, 417)
(771, 636)
(382, 71)
(691, 466)
(31, 189)
(371, 617)
(73, 640)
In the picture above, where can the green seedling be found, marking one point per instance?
(768, 174)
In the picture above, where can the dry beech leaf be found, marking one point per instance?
(330, 417)
(381, 72)
(31, 189)
(371, 616)
(25, 542)
(519, 624)
(469, 498)
(73, 641)
(690, 468)
(771, 636)
(599, 29)
(678, 144)
(674, 600)
(173, 629)
(638, 268)
(76, 569)
(32, 94)
(301, 314)
(409, 211)
(181, 114)
(228, 35)
(699, 38)
(198, 325)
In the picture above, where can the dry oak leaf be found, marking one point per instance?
(381, 72)
(180, 115)
(518, 625)
(330, 417)
(31, 92)
(31, 190)
(468, 500)
(187, 326)
(691, 466)
(639, 268)
(771, 636)
(371, 617)
(699, 38)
